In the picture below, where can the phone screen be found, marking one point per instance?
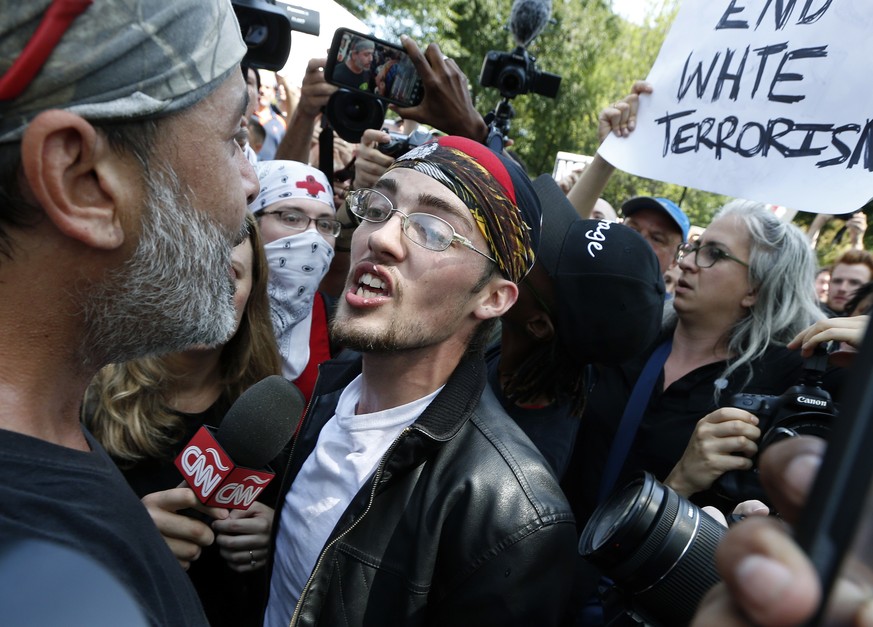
(368, 65)
(836, 525)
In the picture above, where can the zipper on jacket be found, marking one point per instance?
(377, 477)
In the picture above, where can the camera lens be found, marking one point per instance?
(656, 546)
(802, 423)
(351, 113)
(266, 31)
(511, 80)
(255, 34)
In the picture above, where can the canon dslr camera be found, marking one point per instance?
(516, 73)
(804, 409)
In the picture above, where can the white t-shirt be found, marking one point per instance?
(348, 451)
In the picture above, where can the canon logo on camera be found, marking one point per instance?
(815, 402)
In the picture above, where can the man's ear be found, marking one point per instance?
(76, 178)
(540, 326)
(496, 298)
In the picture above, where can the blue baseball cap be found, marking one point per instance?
(660, 204)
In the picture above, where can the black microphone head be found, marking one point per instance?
(261, 422)
(528, 18)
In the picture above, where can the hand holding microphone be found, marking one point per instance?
(227, 470)
(185, 536)
(243, 537)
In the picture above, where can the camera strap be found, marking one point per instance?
(630, 419)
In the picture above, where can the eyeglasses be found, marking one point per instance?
(426, 230)
(705, 256)
(297, 221)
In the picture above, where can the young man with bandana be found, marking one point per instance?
(123, 188)
(410, 497)
(297, 218)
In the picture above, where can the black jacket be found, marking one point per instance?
(462, 522)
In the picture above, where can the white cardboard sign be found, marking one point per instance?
(768, 100)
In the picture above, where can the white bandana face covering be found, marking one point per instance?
(297, 264)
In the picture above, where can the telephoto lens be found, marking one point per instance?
(657, 548)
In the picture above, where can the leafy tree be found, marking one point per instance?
(597, 53)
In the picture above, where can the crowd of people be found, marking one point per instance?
(485, 354)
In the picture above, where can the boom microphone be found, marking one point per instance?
(528, 18)
(227, 467)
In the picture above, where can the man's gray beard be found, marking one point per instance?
(174, 292)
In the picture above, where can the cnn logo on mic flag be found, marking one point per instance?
(215, 479)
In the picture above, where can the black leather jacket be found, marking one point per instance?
(462, 523)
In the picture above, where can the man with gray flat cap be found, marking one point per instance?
(123, 189)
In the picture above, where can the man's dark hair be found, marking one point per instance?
(860, 294)
(548, 372)
(257, 129)
(245, 72)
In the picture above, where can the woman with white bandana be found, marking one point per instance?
(297, 217)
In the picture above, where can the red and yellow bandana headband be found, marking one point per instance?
(489, 189)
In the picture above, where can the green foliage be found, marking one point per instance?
(597, 53)
(827, 250)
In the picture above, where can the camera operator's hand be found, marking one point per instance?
(447, 104)
(370, 164)
(314, 91)
(768, 580)
(753, 507)
(620, 118)
(723, 440)
(314, 94)
(850, 331)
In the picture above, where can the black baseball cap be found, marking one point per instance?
(607, 281)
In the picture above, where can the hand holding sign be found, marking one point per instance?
(762, 100)
(620, 117)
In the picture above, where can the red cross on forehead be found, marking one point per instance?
(311, 185)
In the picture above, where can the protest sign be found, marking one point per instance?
(767, 100)
(567, 162)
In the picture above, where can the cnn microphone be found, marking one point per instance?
(528, 18)
(227, 467)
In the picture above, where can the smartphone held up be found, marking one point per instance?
(371, 66)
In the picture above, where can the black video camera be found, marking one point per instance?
(516, 73)
(400, 144)
(266, 29)
(804, 409)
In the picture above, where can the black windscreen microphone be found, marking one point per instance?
(227, 467)
(261, 422)
(528, 18)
